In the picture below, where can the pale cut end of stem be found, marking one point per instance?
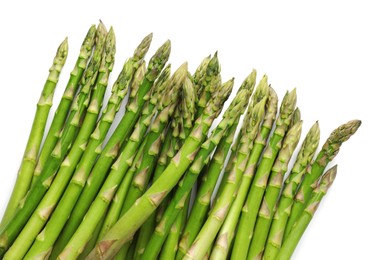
(143, 48)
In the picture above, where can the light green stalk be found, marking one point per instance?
(49, 201)
(138, 96)
(320, 190)
(226, 234)
(63, 108)
(305, 156)
(31, 151)
(11, 230)
(122, 232)
(328, 152)
(169, 249)
(267, 208)
(259, 183)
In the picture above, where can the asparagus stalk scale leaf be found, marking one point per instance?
(259, 183)
(304, 158)
(329, 150)
(292, 239)
(139, 212)
(37, 191)
(117, 204)
(271, 195)
(29, 161)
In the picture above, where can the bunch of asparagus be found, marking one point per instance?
(158, 186)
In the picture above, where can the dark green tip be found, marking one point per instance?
(157, 62)
(142, 48)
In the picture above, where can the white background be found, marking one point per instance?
(336, 53)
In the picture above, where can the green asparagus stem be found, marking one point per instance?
(305, 156)
(177, 203)
(225, 236)
(122, 232)
(292, 239)
(138, 96)
(10, 231)
(169, 249)
(328, 152)
(63, 108)
(48, 203)
(203, 198)
(220, 209)
(31, 151)
(263, 222)
(120, 167)
(167, 153)
(258, 186)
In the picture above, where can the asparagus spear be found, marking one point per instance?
(168, 150)
(220, 209)
(120, 167)
(66, 101)
(117, 204)
(329, 150)
(282, 213)
(46, 206)
(138, 96)
(141, 178)
(225, 236)
(292, 239)
(66, 205)
(10, 231)
(256, 191)
(203, 197)
(231, 115)
(29, 161)
(122, 232)
(47, 237)
(169, 249)
(264, 218)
